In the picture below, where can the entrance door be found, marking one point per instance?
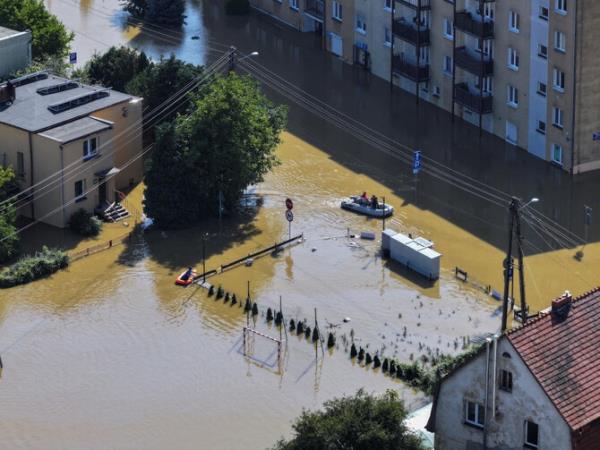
(102, 191)
(511, 133)
(336, 45)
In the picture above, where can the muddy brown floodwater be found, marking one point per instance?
(110, 354)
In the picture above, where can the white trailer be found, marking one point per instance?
(415, 253)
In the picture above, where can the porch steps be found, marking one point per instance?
(115, 212)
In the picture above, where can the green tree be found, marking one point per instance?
(116, 67)
(361, 422)
(9, 239)
(49, 35)
(161, 80)
(164, 12)
(227, 143)
(237, 6)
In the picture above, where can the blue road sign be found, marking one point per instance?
(73, 57)
(417, 162)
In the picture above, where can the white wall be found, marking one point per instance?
(527, 401)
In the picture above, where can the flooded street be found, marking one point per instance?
(110, 354)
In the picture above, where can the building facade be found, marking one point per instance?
(533, 387)
(15, 51)
(71, 145)
(524, 70)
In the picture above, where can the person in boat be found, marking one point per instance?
(187, 275)
(363, 199)
(374, 202)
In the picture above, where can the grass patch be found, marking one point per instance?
(32, 267)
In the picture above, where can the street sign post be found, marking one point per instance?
(416, 162)
(73, 58)
(289, 215)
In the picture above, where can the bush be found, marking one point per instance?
(85, 223)
(237, 7)
(31, 268)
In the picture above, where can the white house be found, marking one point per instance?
(535, 387)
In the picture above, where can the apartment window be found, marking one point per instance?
(487, 85)
(559, 80)
(513, 21)
(557, 154)
(561, 6)
(474, 413)
(20, 164)
(542, 51)
(448, 29)
(541, 88)
(512, 94)
(532, 431)
(294, 4)
(488, 11)
(559, 41)
(80, 190)
(448, 65)
(387, 37)
(506, 380)
(484, 46)
(513, 59)
(90, 148)
(337, 11)
(436, 91)
(543, 13)
(541, 127)
(361, 24)
(387, 5)
(557, 117)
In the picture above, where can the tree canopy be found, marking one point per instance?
(163, 12)
(116, 67)
(9, 240)
(49, 35)
(199, 162)
(360, 422)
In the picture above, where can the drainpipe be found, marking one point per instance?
(577, 47)
(487, 388)
(494, 375)
(62, 185)
(31, 176)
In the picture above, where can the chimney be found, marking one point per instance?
(562, 305)
(7, 93)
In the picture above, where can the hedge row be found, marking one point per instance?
(30, 268)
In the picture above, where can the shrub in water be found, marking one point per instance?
(85, 223)
(30, 268)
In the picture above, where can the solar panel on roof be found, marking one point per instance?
(31, 78)
(77, 101)
(60, 87)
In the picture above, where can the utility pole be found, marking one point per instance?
(514, 230)
(587, 220)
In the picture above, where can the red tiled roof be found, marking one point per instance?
(563, 355)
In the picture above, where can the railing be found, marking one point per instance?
(475, 102)
(135, 213)
(416, 4)
(315, 8)
(473, 63)
(410, 69)
(74, 256)
(465, 21)
(407, 32)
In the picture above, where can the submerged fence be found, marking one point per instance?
(74, 256)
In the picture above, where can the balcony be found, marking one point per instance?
(475, 102)
(416, 4)
(473, 63)
(466, 22)
(315, 8)
(409, 33)
(409, 69)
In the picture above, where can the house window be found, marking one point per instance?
(557, 117)
(337, 11)
(542, 51)
(541, 128)
(543, 13)
(484, 46)
(387, 5)
(541, 88)
(561, 6)
(532, 431)
(448, 29)
(488, 11)
(557, 154)
(20, 165)
(486, 85)
(512, 94)
(448, 65)
(361, 24)
(559, 41)
(474, 413)
(80, 190)
(387, 37)
(513, 21)
(90, 147)
(294, 4)
(506, 375)
(559, 80)
(513, 59)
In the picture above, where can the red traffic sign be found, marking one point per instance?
(289, 215)
(289, 204)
